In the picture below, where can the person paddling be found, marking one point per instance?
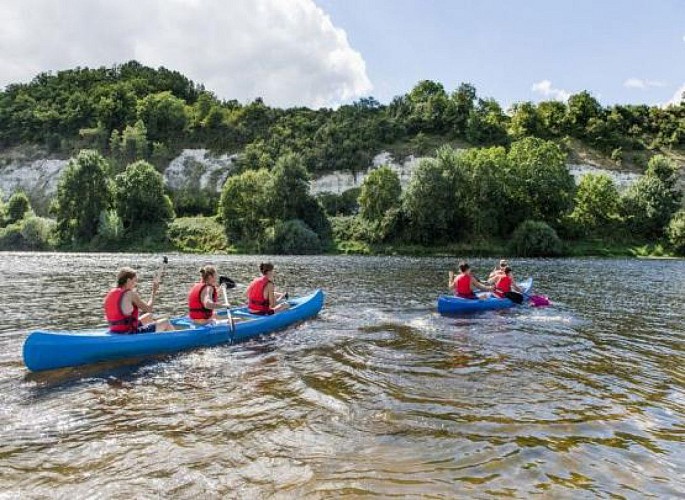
(498, 271)
(122, 307)
(202, 297)
(465, 283)
(506, 287)
(261, 294)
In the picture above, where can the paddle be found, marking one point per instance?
(224, 283)
(160, 271)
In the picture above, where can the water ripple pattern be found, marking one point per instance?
(378, 396)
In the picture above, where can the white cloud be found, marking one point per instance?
(286, 51)
(677, 96)
(545, 88)
(637, 83)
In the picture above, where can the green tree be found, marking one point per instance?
(3, 210)
(525, 121)
(244, 205)
(487, 124)
(649, 203)
(552, 115)
(380, 192)
(82, 193)
(293, 237)
(428, 102)
(542, 187)
(140, 197)
(535, 239)
(676, 232)
(17, 207)
(164, 115)
(597, 205)
(463, 100)
(433, 199)
(582, 108)
(290, 197)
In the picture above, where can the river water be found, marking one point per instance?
(378, 396)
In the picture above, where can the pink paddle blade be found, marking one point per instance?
(539, 301)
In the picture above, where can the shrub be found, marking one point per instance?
(292, 237)
(17, 206)
(37, 232)
(535, 239)
(110, 226)
(676, 232)
(380, 192)
(597, 205)
(11, 238)
(198, 234)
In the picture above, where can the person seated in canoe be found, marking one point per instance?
(465, 283)
(203, 297)
(123, 304)
(506, 287)
(498, 271)
(262, 298)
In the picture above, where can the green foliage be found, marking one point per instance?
(37, 233)
(140, 197)
(17, 207)
(597, 206)
(676, 232)
(582, 108)
(11, 238)
(649, 203)
(3, 210)
(110, 226)
(535, 239)
(197, 234)
(542, 187)
(345, 203)
(380, 192)
(82, 193)
(130, 145)
(487, 124)
(164, 115)
(432, 200)
(243, 205)
(525, 121)
(292, 237)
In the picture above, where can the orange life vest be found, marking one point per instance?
(196, 308)
(118, 321)
(256, 301)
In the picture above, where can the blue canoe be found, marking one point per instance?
(47, 350)
(449, 304)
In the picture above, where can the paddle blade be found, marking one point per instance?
(539, 301)
(226, 281)
(165, 260)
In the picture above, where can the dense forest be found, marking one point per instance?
(512, 185)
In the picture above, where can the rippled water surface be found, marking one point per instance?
(377, 396)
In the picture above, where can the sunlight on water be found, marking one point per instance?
(379, 395)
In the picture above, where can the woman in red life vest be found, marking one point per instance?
(202, 297)
(261, 295)
(464, 283)
(506, 287)
(498, 271)
(123, 305)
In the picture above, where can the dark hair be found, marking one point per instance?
(123, 275)
(207, 271)
(265, 267)
(463, 266)
(507, 270)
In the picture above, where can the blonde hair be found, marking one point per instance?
(207, 271)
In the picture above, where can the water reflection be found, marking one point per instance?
(377, 396)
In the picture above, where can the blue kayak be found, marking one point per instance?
(449, 304)
(47, 350)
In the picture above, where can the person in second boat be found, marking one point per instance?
(123, 304)
(262, 297)
(506, 287)
(465, 283)
(203, 297)
(498, 271)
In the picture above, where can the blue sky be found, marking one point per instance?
(623, 51)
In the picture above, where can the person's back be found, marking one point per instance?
(261, 295)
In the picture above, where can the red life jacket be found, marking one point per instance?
(196, 308)
(503, 286)
(462, 286)
(255, 300)
(118, 321)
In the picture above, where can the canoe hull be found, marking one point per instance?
(48, 350)
(449, 304)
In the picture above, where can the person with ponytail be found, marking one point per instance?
(123, 304)
(202, 297)
(262, 298)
